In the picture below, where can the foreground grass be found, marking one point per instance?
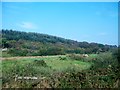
(63, 71)
(53, 62)
(32, 67)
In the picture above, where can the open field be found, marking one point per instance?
(58, 71)
(54, 62)
(31, 66)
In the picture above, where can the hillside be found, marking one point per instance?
(35, 44)
(56, 71)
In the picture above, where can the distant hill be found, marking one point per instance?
(23, 44)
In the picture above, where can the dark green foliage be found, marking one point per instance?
(62, 58)
(75, 57)
(35, 44)
(104, 60)
(51, 51)
(5, 43)
(40, 63)
(18, 52)
(103, 74)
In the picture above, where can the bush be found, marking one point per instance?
(75, 57)
(62, 58)
(104, 60)
(40, 63)
(18, 52)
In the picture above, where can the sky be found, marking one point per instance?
(60, 0)
(80, 21)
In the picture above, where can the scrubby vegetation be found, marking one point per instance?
(63, 72)
(55, 62)
(35, 44)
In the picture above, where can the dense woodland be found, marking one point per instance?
(35, 44)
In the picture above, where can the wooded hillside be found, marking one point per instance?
(29, 43)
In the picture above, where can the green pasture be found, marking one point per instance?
(27, 66)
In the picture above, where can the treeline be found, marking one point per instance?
(28, 43)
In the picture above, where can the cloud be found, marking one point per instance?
(27, 25)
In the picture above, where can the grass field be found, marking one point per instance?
(31, 66)
(60, 71)
(53, 62)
